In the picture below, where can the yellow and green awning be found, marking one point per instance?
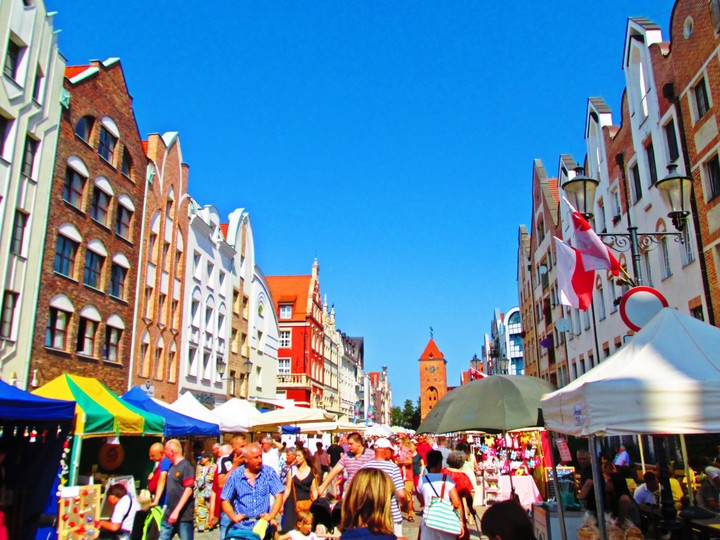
(98, 411)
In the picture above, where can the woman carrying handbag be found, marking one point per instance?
(301, 490)
(443, 512)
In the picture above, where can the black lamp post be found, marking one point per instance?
(676, 191)
(476, 363)
(247, 369)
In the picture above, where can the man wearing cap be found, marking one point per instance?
(351, 462)
(384, 452)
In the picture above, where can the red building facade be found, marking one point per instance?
(297, 302)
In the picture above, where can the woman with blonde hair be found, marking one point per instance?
(366, 507)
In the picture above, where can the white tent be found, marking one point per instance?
(665, 380)
(379, 430)
(331, 427)
(236, 414)
(288, 417)
(187, 404)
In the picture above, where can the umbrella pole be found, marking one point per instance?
(75, 467)
(598, 481)
(642, 452)
(683, 449)
(556, 483)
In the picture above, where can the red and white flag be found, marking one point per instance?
(595, 254)
(574, 282)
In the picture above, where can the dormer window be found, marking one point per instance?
(286, 311)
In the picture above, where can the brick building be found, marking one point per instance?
(433, 377)
(85, 308)
(157, 335)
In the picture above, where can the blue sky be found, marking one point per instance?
(393, 140)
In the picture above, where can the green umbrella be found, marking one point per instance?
(493, 404)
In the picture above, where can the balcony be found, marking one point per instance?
(299, 380)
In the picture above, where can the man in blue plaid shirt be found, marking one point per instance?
(247, 492)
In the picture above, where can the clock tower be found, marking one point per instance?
(433, 378)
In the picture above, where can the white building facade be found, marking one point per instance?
(32, 86)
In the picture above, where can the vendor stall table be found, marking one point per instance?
(525, 489)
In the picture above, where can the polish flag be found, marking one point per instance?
(574, 282)
(595, 254)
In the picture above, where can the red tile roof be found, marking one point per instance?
(431, 351)
(71, 71)
(145, 145)
(224, 229)
(290, 289)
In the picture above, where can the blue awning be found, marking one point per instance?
(16, 404)
(176, 424)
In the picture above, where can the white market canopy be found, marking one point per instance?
(331, 427)
(187, 404)
(237, 415)
(288, 417)
(665, 380)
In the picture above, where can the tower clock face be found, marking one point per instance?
(432, 369)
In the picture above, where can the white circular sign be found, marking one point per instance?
(639, 305)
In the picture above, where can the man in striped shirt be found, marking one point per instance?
(350, 463)
(384, 453)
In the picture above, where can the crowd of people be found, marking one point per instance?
(265, 490)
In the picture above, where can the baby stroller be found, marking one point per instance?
(325, 512)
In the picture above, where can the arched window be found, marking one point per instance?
(83, 128)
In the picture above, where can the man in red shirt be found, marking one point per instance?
(423, 447)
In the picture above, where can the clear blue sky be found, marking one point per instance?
(391, 139)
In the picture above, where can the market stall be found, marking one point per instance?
(274, 420)
(665, 380)
(109, 428)
(187, 404)
(236, 414)
(34, 432)
(176, 424)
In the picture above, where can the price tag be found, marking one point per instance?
(562, 446)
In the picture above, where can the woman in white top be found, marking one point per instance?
(430, 485)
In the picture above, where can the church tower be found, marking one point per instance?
(433, 378)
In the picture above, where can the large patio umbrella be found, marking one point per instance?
(493, 404)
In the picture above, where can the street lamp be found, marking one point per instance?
(675, 189)
(476, 363)
(247, 369)
(504, 365)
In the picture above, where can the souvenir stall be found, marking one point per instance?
(111, 436)
(34, 433)
(665, 380)
(511, 462)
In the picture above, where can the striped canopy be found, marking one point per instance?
(98, 411)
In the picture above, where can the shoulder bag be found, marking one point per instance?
(300, 505)
(440, 514)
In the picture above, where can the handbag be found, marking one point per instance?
(300, 505)
(440, 514)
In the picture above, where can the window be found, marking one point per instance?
(613, 296)
(126, 163)
(100, 206)
(671, 140)
(106, 146)
(158, 362)
(123, 218)
(174, 307)
(285, 312)
(93, 269)
(28, 162)
(7, 315)
(712, 173)
(687, 253)
(18, 232)
(194, 312)
(5, 124)
(635, 184)
(148, 300)
(162, 300)
(57, 327)
(152, 244)
(650, 153)
(702, 101)
(74, 187)
(665, 269)
(111, 349)
(65, 252)
(285, 338)
(12, 60)
(600, 301)
(210, 268)
(697, 312)
(616, 208)
(38, 85)
(233, 340)
(83, 128)
(86, 336)
(283, 366)
(117, 281)
(646, 269)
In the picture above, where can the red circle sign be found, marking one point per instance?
(639, 305)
